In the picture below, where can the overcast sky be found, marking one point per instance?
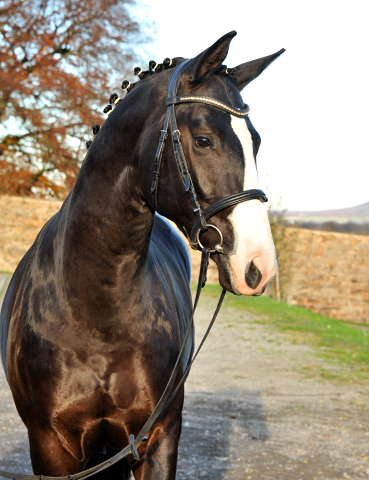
(310, 106)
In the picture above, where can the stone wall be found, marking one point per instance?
(326, 272)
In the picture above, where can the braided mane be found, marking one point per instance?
(154, 69)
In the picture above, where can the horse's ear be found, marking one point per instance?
(210, 59)
(248, 71)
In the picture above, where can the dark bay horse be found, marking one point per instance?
(96, 311)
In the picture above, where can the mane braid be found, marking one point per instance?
(154, 68)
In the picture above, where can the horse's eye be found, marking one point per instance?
(203, 142)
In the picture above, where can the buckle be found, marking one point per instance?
(176, 136)
(133, 448)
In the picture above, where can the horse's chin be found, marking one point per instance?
(228, 281)
(226, 277)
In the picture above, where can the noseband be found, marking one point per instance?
(202, 216)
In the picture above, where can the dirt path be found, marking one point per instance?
(250, 412)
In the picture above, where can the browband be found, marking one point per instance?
(238, 112)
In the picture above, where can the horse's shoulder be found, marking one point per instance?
(22, 279)
(7, 306)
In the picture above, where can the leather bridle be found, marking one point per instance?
(200, 225)
(202, 216)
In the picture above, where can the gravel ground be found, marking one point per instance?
(250, 411)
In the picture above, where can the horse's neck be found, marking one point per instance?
(107, 227)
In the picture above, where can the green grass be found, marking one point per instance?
(335, 340)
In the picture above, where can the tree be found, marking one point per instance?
(57, 60)
(284, 242)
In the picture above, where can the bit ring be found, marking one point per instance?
(218, 247)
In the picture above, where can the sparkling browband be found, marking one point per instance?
(238, 112)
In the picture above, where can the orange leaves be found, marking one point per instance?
(56, 58)
(20, 181)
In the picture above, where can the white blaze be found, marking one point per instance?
(251, 179)
(253, 238)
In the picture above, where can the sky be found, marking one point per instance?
(310, 106)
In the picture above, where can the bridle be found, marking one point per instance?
(200, 225)
(202, 216)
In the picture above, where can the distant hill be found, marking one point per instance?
(359, 214)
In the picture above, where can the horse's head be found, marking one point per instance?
(220, 145)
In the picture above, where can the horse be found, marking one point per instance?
(97, 310)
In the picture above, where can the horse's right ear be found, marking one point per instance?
(210, 59)
(248, 71)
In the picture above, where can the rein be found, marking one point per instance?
(202, 216)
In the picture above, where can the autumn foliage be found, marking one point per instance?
(59, 60)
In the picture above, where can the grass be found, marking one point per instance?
(333, 339)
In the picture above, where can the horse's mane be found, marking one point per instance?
(167, 64)
(154, 69)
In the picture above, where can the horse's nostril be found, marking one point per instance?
(253, 276)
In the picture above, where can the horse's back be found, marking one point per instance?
(170, 263)
(166, 237)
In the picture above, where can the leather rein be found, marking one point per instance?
(202, 216)
(200, 225)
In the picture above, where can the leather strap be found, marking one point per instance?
(231, 200)
(237, 112)
(222, 204)
(157, 164)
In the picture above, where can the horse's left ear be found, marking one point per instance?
(248, 71)
(210, 59)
